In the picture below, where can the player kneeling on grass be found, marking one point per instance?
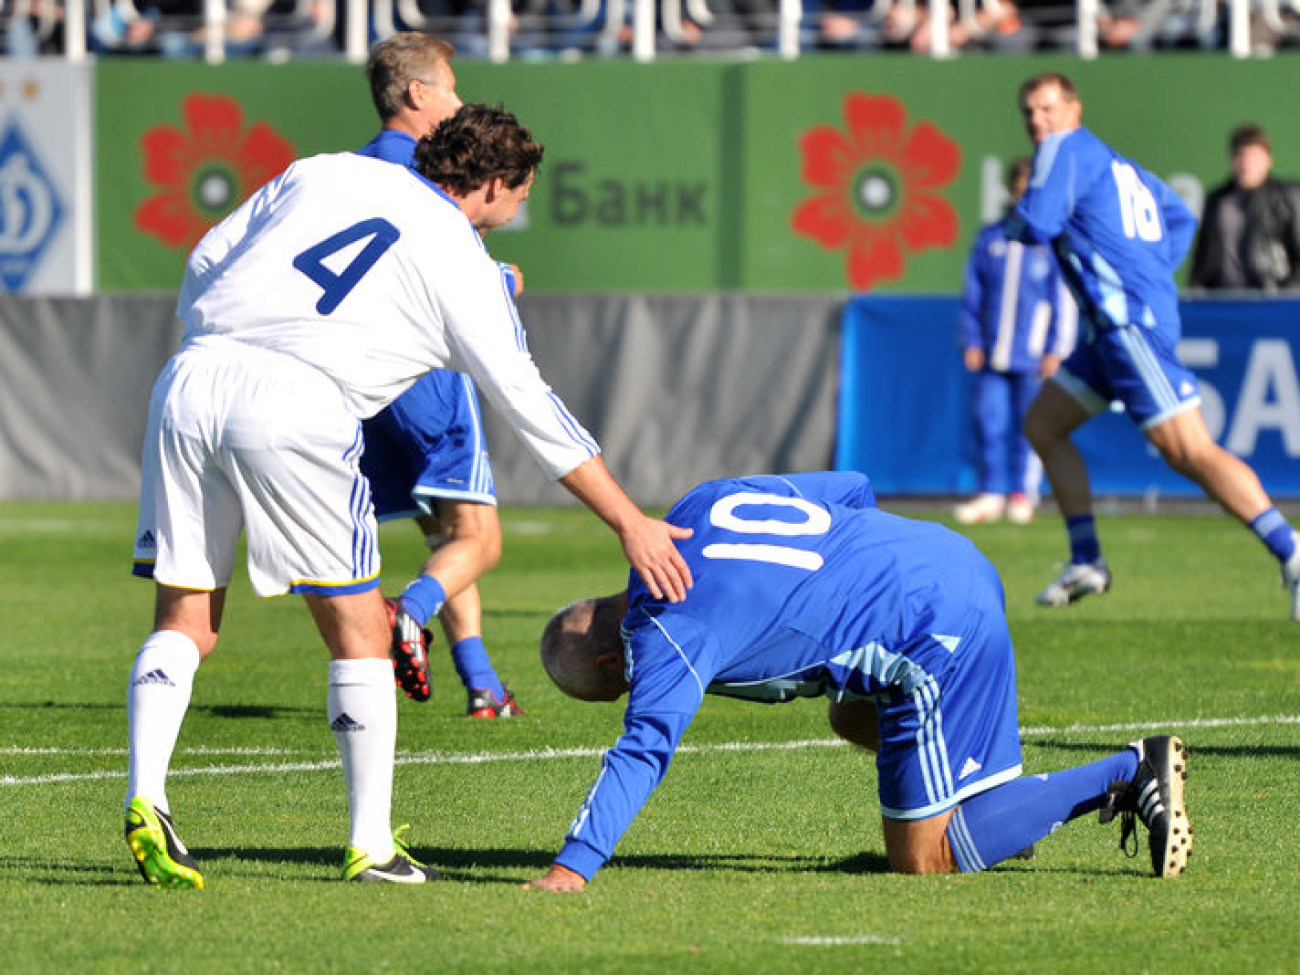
(804, 588)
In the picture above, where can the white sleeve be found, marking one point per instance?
(486, 339)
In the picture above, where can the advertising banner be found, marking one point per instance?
(180, 145)
(904, 407)
(45, 174)
(831, 174)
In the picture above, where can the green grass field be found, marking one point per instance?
(760, 852)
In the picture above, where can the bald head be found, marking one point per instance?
(582, 648)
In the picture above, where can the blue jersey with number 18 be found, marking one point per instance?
(1119, 232)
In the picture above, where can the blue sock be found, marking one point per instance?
(474, 667)
(1272, 529)
(1083, 539)
(997, 824)
(423, 598)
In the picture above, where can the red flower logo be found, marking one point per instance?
(207, 170)
(875, 188)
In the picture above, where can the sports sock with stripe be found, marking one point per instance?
(157, 698)
(363, 717)
(999, 823)
(1272, 529)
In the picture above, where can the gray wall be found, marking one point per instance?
(677, 389)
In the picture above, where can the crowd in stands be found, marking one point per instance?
(281, 29)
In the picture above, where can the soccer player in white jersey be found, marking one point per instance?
(1119, 234)
(803, 588)
(313, 306)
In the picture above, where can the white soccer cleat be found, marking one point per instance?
(979, 509)
(1291, 577)
(1078, 580)
(1020, 511)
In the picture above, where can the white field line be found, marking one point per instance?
(547, 754)
(823, 941)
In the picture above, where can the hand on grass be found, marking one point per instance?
(558, 880)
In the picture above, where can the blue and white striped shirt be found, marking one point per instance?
(1014, 305)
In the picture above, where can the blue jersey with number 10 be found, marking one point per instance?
(802, 588)
(1118, 231)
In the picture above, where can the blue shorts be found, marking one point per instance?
(1137, 366)
(956, 734)
(427, 445)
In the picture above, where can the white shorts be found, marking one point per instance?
(247, 440)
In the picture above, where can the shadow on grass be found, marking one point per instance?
(470, 866)
(1194, 749)
(510, 867)
(64, 873)
(215, 710)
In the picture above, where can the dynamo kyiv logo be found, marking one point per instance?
(30, 209)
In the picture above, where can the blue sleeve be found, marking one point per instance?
(1180, 222)
(969, 331)
(1042, 212)
(667, 688)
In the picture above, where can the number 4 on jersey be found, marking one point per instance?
(336, 286)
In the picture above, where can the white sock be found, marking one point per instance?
(363, 717)
(157, 697)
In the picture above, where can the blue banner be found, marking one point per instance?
(904, 406)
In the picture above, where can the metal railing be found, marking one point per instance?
(642, 29)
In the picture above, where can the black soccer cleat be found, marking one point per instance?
(1155, 796)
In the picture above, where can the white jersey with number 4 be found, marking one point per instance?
(368, 273)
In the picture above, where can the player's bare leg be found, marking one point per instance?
(920, 845)
(856, 722)
(469, 544)
(1053, 416)
(463, 529)
(1185, 445)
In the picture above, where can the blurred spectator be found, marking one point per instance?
(1144, 25)
(1033, 25)
(175, 28)
(1274, 24)
(1017, 322)
(843, 25)
(1250, 229)
(33, 28)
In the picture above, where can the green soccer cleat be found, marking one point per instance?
(402, 868)
(159, 853)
